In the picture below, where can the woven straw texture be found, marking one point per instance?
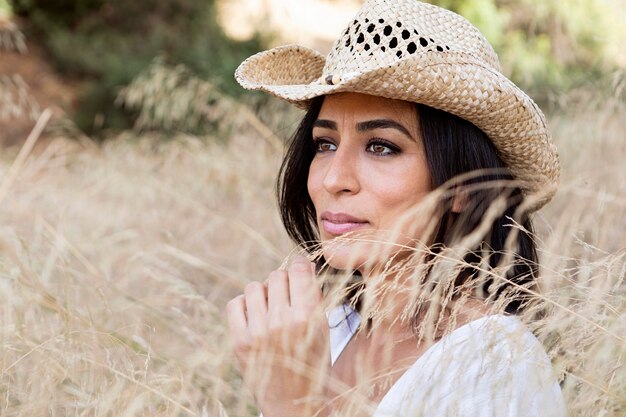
(413, 51)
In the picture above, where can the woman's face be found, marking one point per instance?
(369, 169)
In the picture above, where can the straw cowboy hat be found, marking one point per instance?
(413, 51)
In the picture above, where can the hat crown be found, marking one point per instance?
(387, 31)
(420, 53)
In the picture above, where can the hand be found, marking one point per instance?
(279, 333)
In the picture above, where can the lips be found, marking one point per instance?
(340, 223)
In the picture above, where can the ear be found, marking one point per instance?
(460, 200)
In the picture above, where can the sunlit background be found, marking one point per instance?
(136, 193)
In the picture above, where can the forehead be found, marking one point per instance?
(355, 107)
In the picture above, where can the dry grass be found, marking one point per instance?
(116, 263)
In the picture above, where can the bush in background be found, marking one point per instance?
(107, 44)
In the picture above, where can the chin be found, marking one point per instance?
(345, 254)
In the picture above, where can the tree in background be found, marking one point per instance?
(550, 46)
(107, 43)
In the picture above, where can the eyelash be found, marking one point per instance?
(393, 149)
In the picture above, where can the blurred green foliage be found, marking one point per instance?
(550, 46)
(108, 43)
(5, 8)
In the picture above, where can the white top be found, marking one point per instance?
(491, 367)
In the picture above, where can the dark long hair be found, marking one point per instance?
(453, 147)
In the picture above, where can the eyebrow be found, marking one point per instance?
(326, 124)
(367, 125)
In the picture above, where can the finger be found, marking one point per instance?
(237, 322)
(277, 292)
(303, 288)
(256, 307)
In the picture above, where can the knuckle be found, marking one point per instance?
(253, 287)
(276, 276)
(275, 327)
(300, 320)
(276, 318)
(258, 333)
(240, 342)
(300, 265)
(242, 348)
(312, 291)
(258, 338)
(234, 303)
(315, 299)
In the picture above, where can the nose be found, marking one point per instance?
(342, 174)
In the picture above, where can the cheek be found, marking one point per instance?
(314, 183)
(399, 191)
(396, 199)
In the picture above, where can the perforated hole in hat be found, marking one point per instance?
(372, 41)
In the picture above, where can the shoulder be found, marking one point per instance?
(501, 348)
(493, 366)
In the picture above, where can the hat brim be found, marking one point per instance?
(453, 82)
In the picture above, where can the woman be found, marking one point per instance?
(409, 183)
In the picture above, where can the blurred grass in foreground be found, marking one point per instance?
(116, 262)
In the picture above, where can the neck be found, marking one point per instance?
(387, 303)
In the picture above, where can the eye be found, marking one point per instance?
(322, 145)
(382, 148)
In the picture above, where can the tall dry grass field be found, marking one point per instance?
(116, 263)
